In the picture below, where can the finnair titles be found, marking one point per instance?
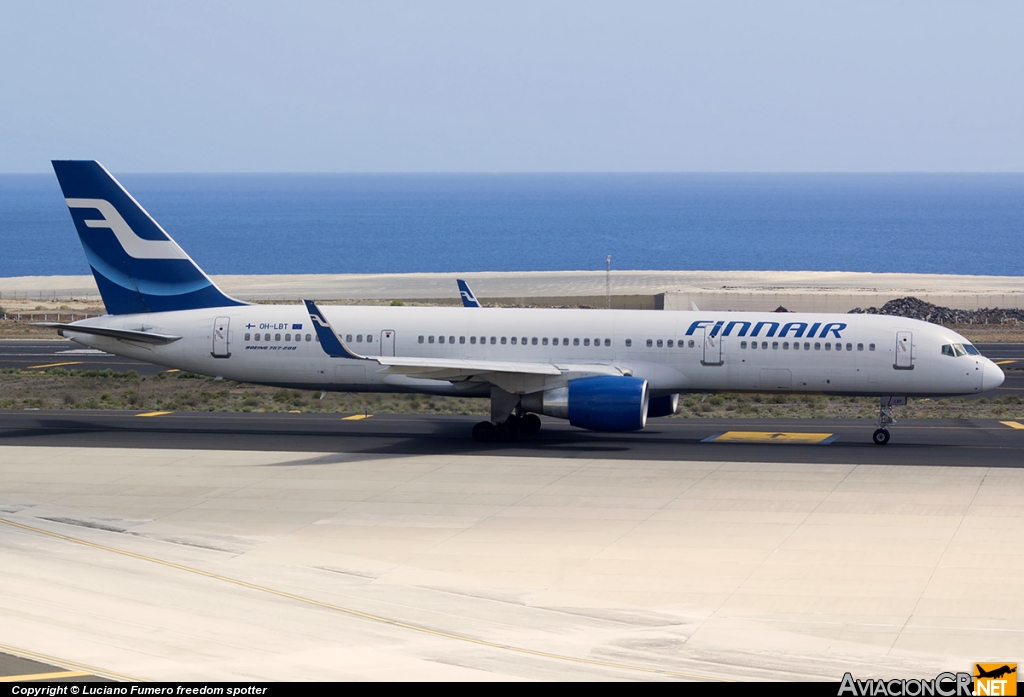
(603, 370)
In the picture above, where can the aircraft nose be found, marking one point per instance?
(991, 376)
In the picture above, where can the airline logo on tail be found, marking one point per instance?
(468, 299)
(133, 245)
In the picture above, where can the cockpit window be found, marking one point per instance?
(959, 350)
(947, 350)
(971, 350)
(956, 350)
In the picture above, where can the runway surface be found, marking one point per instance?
(959, 443)
(40, 355)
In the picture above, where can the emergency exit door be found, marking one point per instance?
(221, 326)
(712, 347)
(387, 342)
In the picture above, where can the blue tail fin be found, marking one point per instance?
(137, 266)
(468, 299)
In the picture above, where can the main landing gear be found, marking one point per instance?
(508, 430)
(881, 435)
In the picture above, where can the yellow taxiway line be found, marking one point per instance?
(1013, 424)
(155, 413)
(356, 417)
(53, 365)
(72, 667)
(55, 675)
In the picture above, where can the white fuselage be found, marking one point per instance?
(674, 351)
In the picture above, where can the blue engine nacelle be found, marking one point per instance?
(666, 405)
(601, 403)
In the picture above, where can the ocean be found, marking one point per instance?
(359, 223)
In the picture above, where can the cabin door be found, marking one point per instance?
(220, 337)
(712, 347)
(904, 351)
(387, 342)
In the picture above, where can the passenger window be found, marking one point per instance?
(493, 339)
(828, 346)
(849, 347)
(807, 346)
(555, 341)
(860, 347)
(544, 341)
(775, 344)
(670, 343)
(764, 345)
(565, 341)
(629, 342)
(246, 337)
(369, 339)
(430, 339)
(586, 342)
(753, 344)
(650, 343)
(839, 347)
(359, 338)
(523, 341)
(287, 337)
(277, 337)
(785, 345)
(817, 346)
(348, 338)
(503, 340)
(533, 341)
(690, 343)
(743, 344)
(660, 343)
(472, 339)
(483, 340)
(607, 342)
(462, 339)
(576, 342)
(871, 347)
(421, 338)
(513, 341)
(440, 339)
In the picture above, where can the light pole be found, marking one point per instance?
(608, 280)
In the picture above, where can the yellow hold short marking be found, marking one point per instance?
(1013, 424)
(155, 413)
(770, 437)
(356, 417)
(45, 676)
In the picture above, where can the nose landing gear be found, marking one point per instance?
(885, 419)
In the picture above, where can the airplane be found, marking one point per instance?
(995, 673)
(602, 370)
(468, 299)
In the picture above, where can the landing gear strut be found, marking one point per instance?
(508, 430)
(881, 436)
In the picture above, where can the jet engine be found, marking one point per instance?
(600, 403)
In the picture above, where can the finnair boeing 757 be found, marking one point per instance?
(604, 370)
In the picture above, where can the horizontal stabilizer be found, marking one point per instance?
(123, 334)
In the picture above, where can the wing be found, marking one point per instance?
(512, 376)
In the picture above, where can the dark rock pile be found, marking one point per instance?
(919, 309)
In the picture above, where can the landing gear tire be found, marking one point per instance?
(483, 432)
(880, 437)
(506, 431)
(529, 424)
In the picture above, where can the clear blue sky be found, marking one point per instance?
(429, 86)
